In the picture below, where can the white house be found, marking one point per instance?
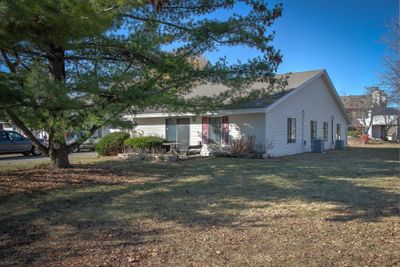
(385, 126)
(308, 108)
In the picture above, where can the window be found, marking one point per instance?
(214, 130)
(170, 130)
(313, 130)
(338, 136)
(291, 130)
(3, 136)
(325, 131)
(177, 131)
(15, 136)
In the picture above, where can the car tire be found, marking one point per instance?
(36, 151)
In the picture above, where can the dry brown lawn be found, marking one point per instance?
(356, 142)
(338, 208)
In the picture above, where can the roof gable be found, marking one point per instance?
(330, 87)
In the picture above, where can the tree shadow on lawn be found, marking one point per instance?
(201, 192)
(80, 219)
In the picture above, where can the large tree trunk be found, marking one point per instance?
(56, 63)
(58, 152)
(59, 157)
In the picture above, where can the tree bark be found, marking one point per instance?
(59, 157)
(56, 63)
(58, 151)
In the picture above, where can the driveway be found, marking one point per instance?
(13, 159)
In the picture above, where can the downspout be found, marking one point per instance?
(332, 118)
(302, 131)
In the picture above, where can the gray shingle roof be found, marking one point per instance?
(294, 80)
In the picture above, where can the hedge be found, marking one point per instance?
(144, 143)
(112, 144)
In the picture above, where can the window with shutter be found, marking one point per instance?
(214, 130)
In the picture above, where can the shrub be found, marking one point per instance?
(354, 133)
(144, 143)
(242, 147)
(111, 144)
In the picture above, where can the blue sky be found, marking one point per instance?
(341, 36)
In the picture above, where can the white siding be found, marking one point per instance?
(245, 125)
(318, 104)
(156, 127)
(150, 127)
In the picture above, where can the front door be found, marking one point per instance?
(183, 133)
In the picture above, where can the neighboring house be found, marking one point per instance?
(385, 126)
(308, 108)
(356, 107)
(385, 120)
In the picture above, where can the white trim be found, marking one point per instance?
(174, 114)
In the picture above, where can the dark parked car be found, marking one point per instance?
(12, 142)
(89, 144)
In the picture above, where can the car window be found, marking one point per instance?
(3, 136)
(15, 136)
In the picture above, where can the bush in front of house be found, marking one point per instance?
(243, 147)
(112, 144)
(144, 144)
(240, 147)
